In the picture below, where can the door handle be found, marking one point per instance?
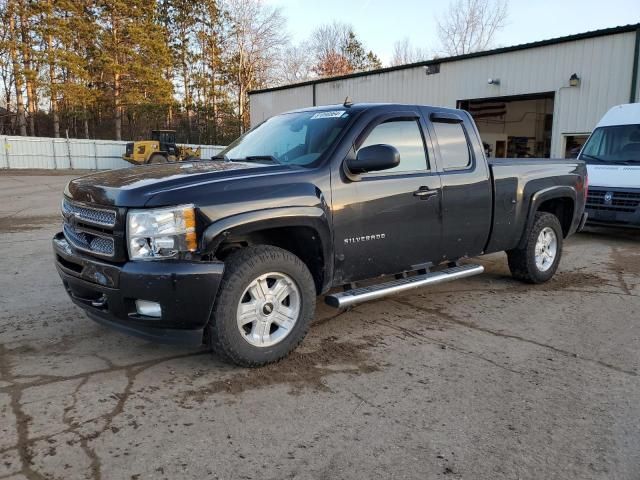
(425, 193)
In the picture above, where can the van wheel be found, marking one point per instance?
(538, 260)
(265, 304)
(157, 158)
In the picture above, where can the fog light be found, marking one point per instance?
(149, 309)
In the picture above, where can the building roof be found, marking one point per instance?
(514, 48)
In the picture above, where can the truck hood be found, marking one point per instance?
(134, 187)
(622, 176)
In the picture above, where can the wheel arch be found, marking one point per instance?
(304, 231)
(559, 201)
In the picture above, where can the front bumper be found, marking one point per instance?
(107, 292)
(613, 219)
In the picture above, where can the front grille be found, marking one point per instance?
(90, 229)
(607, 200)
(96, 216)
(88, 242)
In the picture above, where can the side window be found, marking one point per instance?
(454, 148)
(405, 135)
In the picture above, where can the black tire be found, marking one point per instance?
(157, 158)
(241, 268)
(522, 261)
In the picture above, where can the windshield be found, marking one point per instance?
(615, 144)
(290, 139)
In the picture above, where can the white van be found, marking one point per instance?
(612, 154)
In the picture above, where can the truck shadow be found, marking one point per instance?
(611, 233)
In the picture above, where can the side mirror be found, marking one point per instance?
(374, 158)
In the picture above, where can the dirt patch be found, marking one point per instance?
(560, 281)
(22, 224)
(573, 279)
(301, 369)
(625, 260)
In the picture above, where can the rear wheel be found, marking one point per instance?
(538, 260)
(265, 304)
(157, 158)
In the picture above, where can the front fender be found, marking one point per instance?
(248, 222)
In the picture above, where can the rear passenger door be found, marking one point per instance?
(467, 198)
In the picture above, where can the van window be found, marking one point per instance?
(454, 148)
(405, 135)
(614, 144)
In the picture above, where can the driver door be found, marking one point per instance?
(389, 221)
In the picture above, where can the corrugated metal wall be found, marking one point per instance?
(58, 153)
(604, 65)
(265, 105)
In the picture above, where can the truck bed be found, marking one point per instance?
(515, 182)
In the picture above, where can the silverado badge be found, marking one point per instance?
(365, 238)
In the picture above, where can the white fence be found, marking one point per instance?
(61, 153)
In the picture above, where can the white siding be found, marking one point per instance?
(604, 65)
(268, 104)
(58, 153)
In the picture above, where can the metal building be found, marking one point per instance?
(538, 99)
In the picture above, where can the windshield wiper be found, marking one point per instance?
(221, 157)
(591, 157)
(625, 162)
(260, 159)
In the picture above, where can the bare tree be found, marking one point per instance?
(470, 25)
(404, 53)
(337, 51)
(329, 39)
(295, 64)
(21, 122)
(255, 41)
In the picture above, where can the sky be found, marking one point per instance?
(380, 23)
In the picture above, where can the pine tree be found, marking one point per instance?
(132, 57)
(18, 75)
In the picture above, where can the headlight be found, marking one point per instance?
(161, 233)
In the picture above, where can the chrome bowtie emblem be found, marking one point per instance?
(71, 218)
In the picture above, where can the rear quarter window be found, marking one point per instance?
(454, 149)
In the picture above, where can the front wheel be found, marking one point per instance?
(157, 158)
(265, 304)
(538, 260)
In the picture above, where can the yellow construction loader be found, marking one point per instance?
(161, 148)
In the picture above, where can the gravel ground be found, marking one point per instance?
(485, 378)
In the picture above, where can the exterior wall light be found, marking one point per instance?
(574, 80)
(493, 81)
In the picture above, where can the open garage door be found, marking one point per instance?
(518, 126)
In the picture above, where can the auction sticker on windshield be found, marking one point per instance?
(330, 114)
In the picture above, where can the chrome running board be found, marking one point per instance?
(359, 295)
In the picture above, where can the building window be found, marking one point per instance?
(573, 144)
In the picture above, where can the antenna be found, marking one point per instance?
(347, 103)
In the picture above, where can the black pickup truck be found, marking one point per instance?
(234, 251)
